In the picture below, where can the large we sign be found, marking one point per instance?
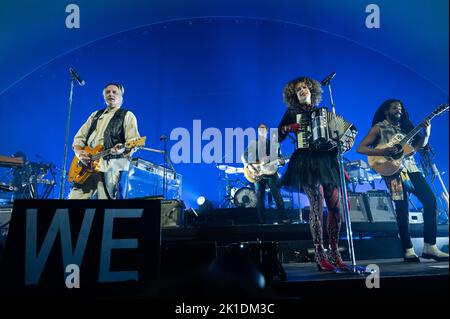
(98, 246)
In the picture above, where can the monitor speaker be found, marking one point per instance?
(358, 209)
(172, 213)
(380, 206)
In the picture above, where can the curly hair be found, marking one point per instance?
(290, 95)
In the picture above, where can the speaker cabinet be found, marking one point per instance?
(172, 213)
(358, 209)
(380, 206)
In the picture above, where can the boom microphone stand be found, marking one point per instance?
(354, 269)
(81, 82)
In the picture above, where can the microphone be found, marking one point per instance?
(163, 138)
(328, 79)
(77, 77)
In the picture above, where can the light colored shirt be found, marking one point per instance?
(387, 130)
(97, 137)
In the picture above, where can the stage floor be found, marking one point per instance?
(388, 268)
(427, 279)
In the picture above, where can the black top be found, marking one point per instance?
(309, 166)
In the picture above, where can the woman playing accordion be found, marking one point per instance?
(314, 166)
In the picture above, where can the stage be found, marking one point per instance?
(212, 263)
(427, 279)
(397, 279)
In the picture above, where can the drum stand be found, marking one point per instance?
(353, 269)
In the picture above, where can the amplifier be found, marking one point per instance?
(172, 213)
(5, 215)
(146, 179)
(380, 207)
(415, 217)
(358, 209)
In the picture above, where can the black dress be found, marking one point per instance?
(308, 166)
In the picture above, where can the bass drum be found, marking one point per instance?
(245, 197)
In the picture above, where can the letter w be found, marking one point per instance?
(35, 261)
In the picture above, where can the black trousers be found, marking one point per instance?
(260, 188)
(426, 196)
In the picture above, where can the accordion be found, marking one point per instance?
(318, 130)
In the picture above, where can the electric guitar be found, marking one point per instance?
(389, 165)
(79, 172)
(259, 170)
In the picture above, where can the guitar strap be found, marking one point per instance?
(94, 124)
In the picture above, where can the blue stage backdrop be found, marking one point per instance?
(227, 72)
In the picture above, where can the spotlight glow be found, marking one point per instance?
(201, 200)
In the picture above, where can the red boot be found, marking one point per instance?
(322, 262)
(335, 258)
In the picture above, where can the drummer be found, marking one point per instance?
(258, 151)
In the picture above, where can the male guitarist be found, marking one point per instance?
(265, 150)
(392, 118)
(111, 127)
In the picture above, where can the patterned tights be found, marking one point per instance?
(316, 195)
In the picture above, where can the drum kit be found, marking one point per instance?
(237, 191)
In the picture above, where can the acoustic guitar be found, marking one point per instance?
(389, 165)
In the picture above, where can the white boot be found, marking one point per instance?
(432, 252)
(411, 256)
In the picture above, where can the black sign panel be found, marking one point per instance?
(82, 248)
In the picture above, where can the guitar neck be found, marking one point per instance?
(415, 130)
(101, 154)
(128, 146)
(276, 160)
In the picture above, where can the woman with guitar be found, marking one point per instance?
(102, 147)
(385, 144)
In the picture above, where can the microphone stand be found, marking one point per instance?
(300, 213)
(164, 139)
(66, 144)
(353, 269)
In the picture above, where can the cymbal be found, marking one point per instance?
(234, 170)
